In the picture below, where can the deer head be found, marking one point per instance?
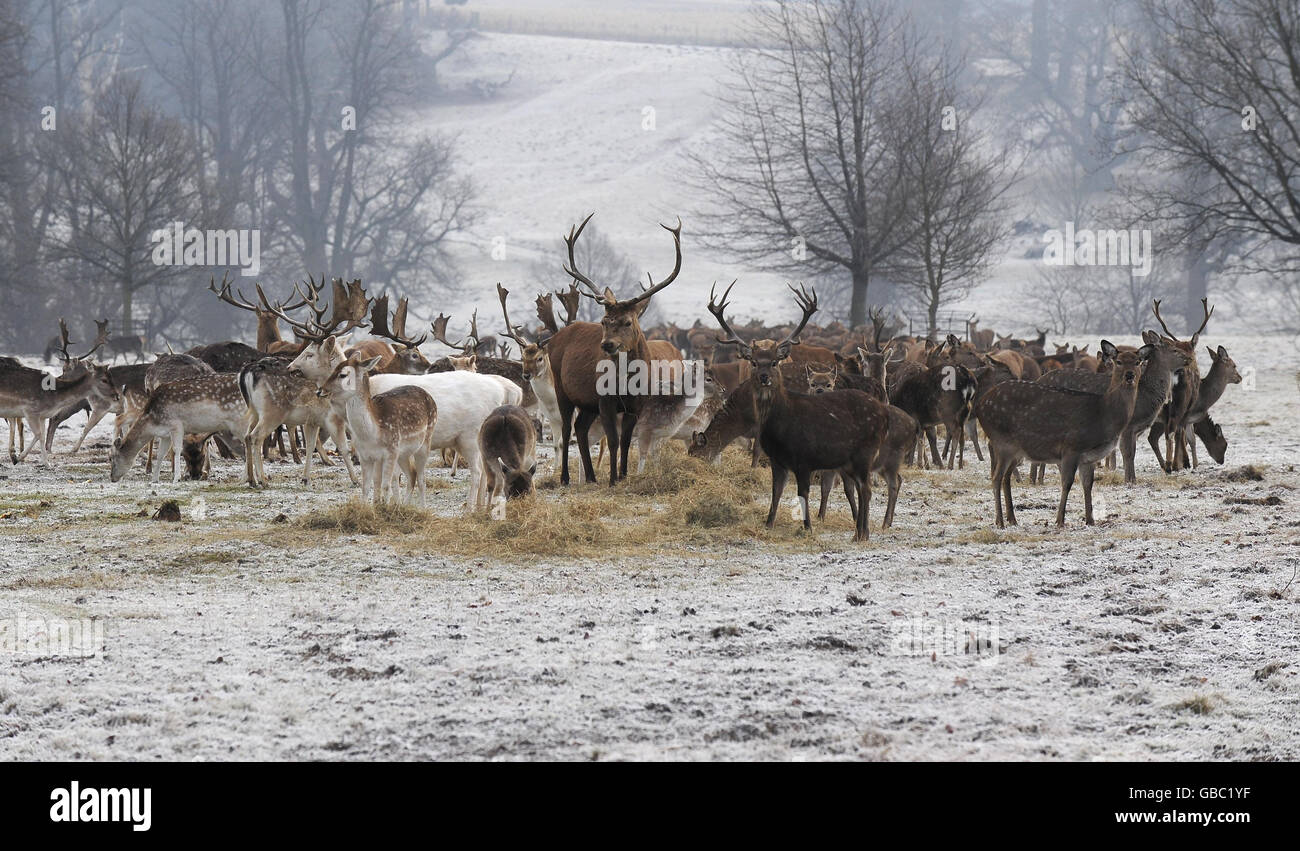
(621, 322)
(532, 355)
(765, 356)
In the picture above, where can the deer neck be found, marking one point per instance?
(1212, 386)
(363, 416)
(1120, 399)
(68, 389)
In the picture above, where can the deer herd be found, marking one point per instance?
(842, 403)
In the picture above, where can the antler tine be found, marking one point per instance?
(677, 264)
(63, 335)
(1207, 310)
(379, 325)
(571, 268)
(309, 330)
(472, 341)
(266, 302)
(546, 313)
(225, 294)
(439, 327)
(877, 316)
(808, 304)
(719, 309)
(101, 336)
(570, 299)
(1155, 305)
(511, 331)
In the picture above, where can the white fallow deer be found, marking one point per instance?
(391, 430)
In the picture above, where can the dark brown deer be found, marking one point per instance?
(840, 432)
(1051, 425)
(577, 351)
(939, 395)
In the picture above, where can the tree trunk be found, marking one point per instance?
(1198, 276)
(858, 306)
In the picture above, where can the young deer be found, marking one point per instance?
(1071, 429)
(839, 431)
(277, 396)
(202, 405)
(507, 445)
(392, 431)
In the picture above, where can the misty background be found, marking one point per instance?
(796, 141)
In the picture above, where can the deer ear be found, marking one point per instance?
(1223, 353)
(783, 350)
(367, 366)
(1146, 352)
(1108, 349)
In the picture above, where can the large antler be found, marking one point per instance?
(101, 337)
(877, 316)
(719, 309)
(349, 308)
(512, 331)
(439, 326)
(672, 276)
(571, 268)
(808, 304)
(397, 333)
(1205, 308)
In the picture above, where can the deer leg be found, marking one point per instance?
(1069, 466)
(996, 477)
(779, 474)
(972, 431)
(894, 480)
(609, 419)
(828, 484)
(91, 421)
(1153, 438)
(293, 444)
(339, 433)
(931, 435)
(1128, 449)
(625, 443)
(583, 425)
(1085, 478)
(37, 425)
(312, 434)
(1191, 446)
(803, 484)
(863, 530)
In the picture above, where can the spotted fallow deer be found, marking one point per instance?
(392, 430)
(203, 405)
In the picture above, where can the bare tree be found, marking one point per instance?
(358, 196)
(1216, 110)
(126, 169)
(959, 213)
(805, 174)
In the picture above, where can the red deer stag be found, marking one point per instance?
(577, 352)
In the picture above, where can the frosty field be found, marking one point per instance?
(1167, 632)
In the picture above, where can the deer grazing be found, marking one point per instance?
(507, 445)
(205, 405)
(32, 395)
(1223, 371)
(392, 430)
(840, 432)
(1052, 425)
(577, 351)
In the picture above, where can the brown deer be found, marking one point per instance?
(1182, 398)
(839, 431)
(392, 431)
(403, 356)
(1050, 425)
(577, 352)
(938, 395)
(35, 396)
(507, 446)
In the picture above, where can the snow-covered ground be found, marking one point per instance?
(1169, 631)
